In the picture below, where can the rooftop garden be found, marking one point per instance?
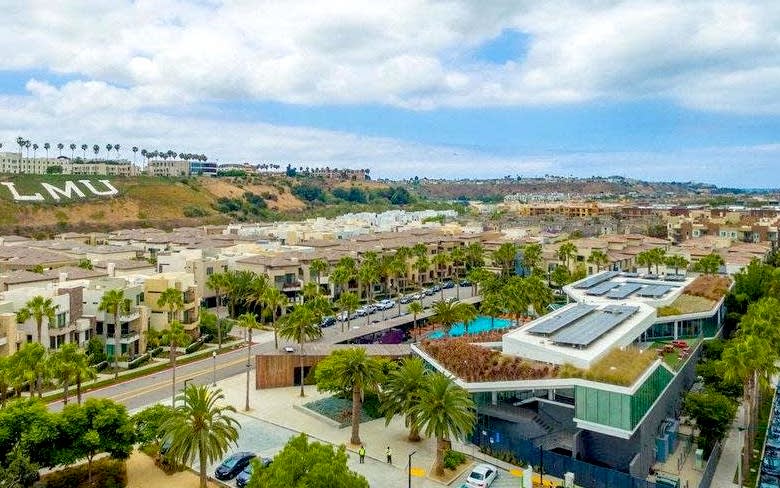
(700, 296)
(618, 367)
(475, 363)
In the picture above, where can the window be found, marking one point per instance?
(62, 319)
(209, 271)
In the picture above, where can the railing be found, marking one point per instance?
(712, 465)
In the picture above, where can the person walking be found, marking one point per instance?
(389, 454)
(362, 453)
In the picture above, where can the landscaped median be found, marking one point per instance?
(132, 374)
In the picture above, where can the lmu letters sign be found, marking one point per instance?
(70, 190)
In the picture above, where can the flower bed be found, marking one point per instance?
(476, 363)
(711, 287)
(340, 410)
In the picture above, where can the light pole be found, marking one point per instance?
(740, 430)
(214, 368)
(409, 469)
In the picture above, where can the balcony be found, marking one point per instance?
(3, 340)
(290, 285)
(125, 338)
(129, 317)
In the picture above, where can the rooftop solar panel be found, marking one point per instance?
(624, 291)
(595, 325)
(557, 322)
(596, 279)
(601, 288)
(654, 291)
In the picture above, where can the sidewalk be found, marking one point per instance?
(729, 456)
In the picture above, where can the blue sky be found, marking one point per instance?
(663, 91)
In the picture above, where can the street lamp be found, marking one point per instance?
(185, 383)
(740, 430)
(214, 368)
(409, 468)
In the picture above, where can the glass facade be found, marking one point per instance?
(686, 329)
(620, 410)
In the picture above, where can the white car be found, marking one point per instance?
(482, 476)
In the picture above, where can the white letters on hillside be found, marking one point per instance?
(71, 191)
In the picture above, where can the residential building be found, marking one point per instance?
(160, 316)
(133, 322)
(168, 168)
(11, 163)
(203, 168)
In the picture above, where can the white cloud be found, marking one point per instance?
(713, 55)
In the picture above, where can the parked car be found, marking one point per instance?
(232, 465)
(436, 288)
(370, 308)
(771, 465)
(430, 291)
(448, 284)
(246, 474)
(328, 321)
(482, 476)
(421, 295)
(342, 316)
(361, 312)
(465, 283)
(767, 481)
(406, 299)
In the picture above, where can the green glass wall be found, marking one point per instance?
(619, 410)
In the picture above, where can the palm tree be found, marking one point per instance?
(467, 314)
(84, 148)
(676, 261)
(174, 336)
(135, 152)
(6, 377)
(355, 370)
(475, 255)
(115, 303)
(310, 290)
(567, 252)
(515, 296)
(46, 147)
(317, 267)
(504, 257)
(35, 149)
(532, 257)
(458, 257)
(60, 147)
(401, 392)
(301, 325)
(644, 258)
(72, 147)
(599, 258)
(241, 288)
(415, 308)
(273, 299)
(109, 147)
(82, 371)
(173, 299)
(347, 303)
(38, 308)
(421, 266)
(396, 268)
(340, 277)
(116, 150)
(448, 313)
(64, 363)
(492, 306)
(658, 256)
(199, 428)
(30, 366)
(444, 410)
(20, 141)
(249, 322)
(441, 261)
(218, 282)
(96, 150)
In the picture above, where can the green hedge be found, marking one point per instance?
(138, 361)
(106, 473)
(453, 459)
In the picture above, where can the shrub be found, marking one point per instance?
(453, 459)
(194, 346)
(138, 361)
(194, 211)
(106, 473)
(711, 287)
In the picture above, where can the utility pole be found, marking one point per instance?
(409, 469)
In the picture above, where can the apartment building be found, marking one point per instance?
(11, 163)
(736, 226)
(159, 317)
(133, 323)
(168, 168)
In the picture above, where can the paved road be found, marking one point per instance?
(155, 387)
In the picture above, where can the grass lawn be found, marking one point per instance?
(672, 359)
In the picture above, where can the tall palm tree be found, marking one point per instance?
(64, 363)
(135, 152)
(82, 372)
(317, 267)
(60, 147)
(396, 269)
(532, 257)
(38, 308)
(354, 370)
(6, 377)
(492, 306)
(401, 392)
(30, 366)
(84, 148)
(421, 266)
(445, 411)
(249, 322)
(35, 149)
(347, 303)
(340, 277)
(676, 262)
(115, 303)
(415, 308)
(72, 147)
(96, 150)
(273, 299)
(173, 299)
(599, 258)
(241, 289)
(467, 314)
(458, 257)
(116, 150)
(109, 147)
(199, 428)
(46, 147)
(440, 262)
(448, 313)
(218, 282)
(567, 252)
(309, 290)
(20, 141)
(504, 257)
(301, 325)
(174, 336)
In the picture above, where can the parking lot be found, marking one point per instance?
(770, 463)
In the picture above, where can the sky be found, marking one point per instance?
(658, 90)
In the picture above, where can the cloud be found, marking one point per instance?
(711, 55)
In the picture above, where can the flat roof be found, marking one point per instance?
(616, 288)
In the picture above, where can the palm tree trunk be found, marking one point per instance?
(173, 375)
(414, 432)
(248, 365)
(202, 467)
(39, 324)
(78, 389)
(438, 465)
(273, 325)
(65, 392)
(219, 327)
(356, 408)
(117, 345)
(300, 365)
(39, 385)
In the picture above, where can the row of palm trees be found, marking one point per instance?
(33, 366)
(26, 145)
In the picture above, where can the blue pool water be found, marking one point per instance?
(481, 324)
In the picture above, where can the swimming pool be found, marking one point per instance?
(480, 324)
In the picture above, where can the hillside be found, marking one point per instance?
(141, 201)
